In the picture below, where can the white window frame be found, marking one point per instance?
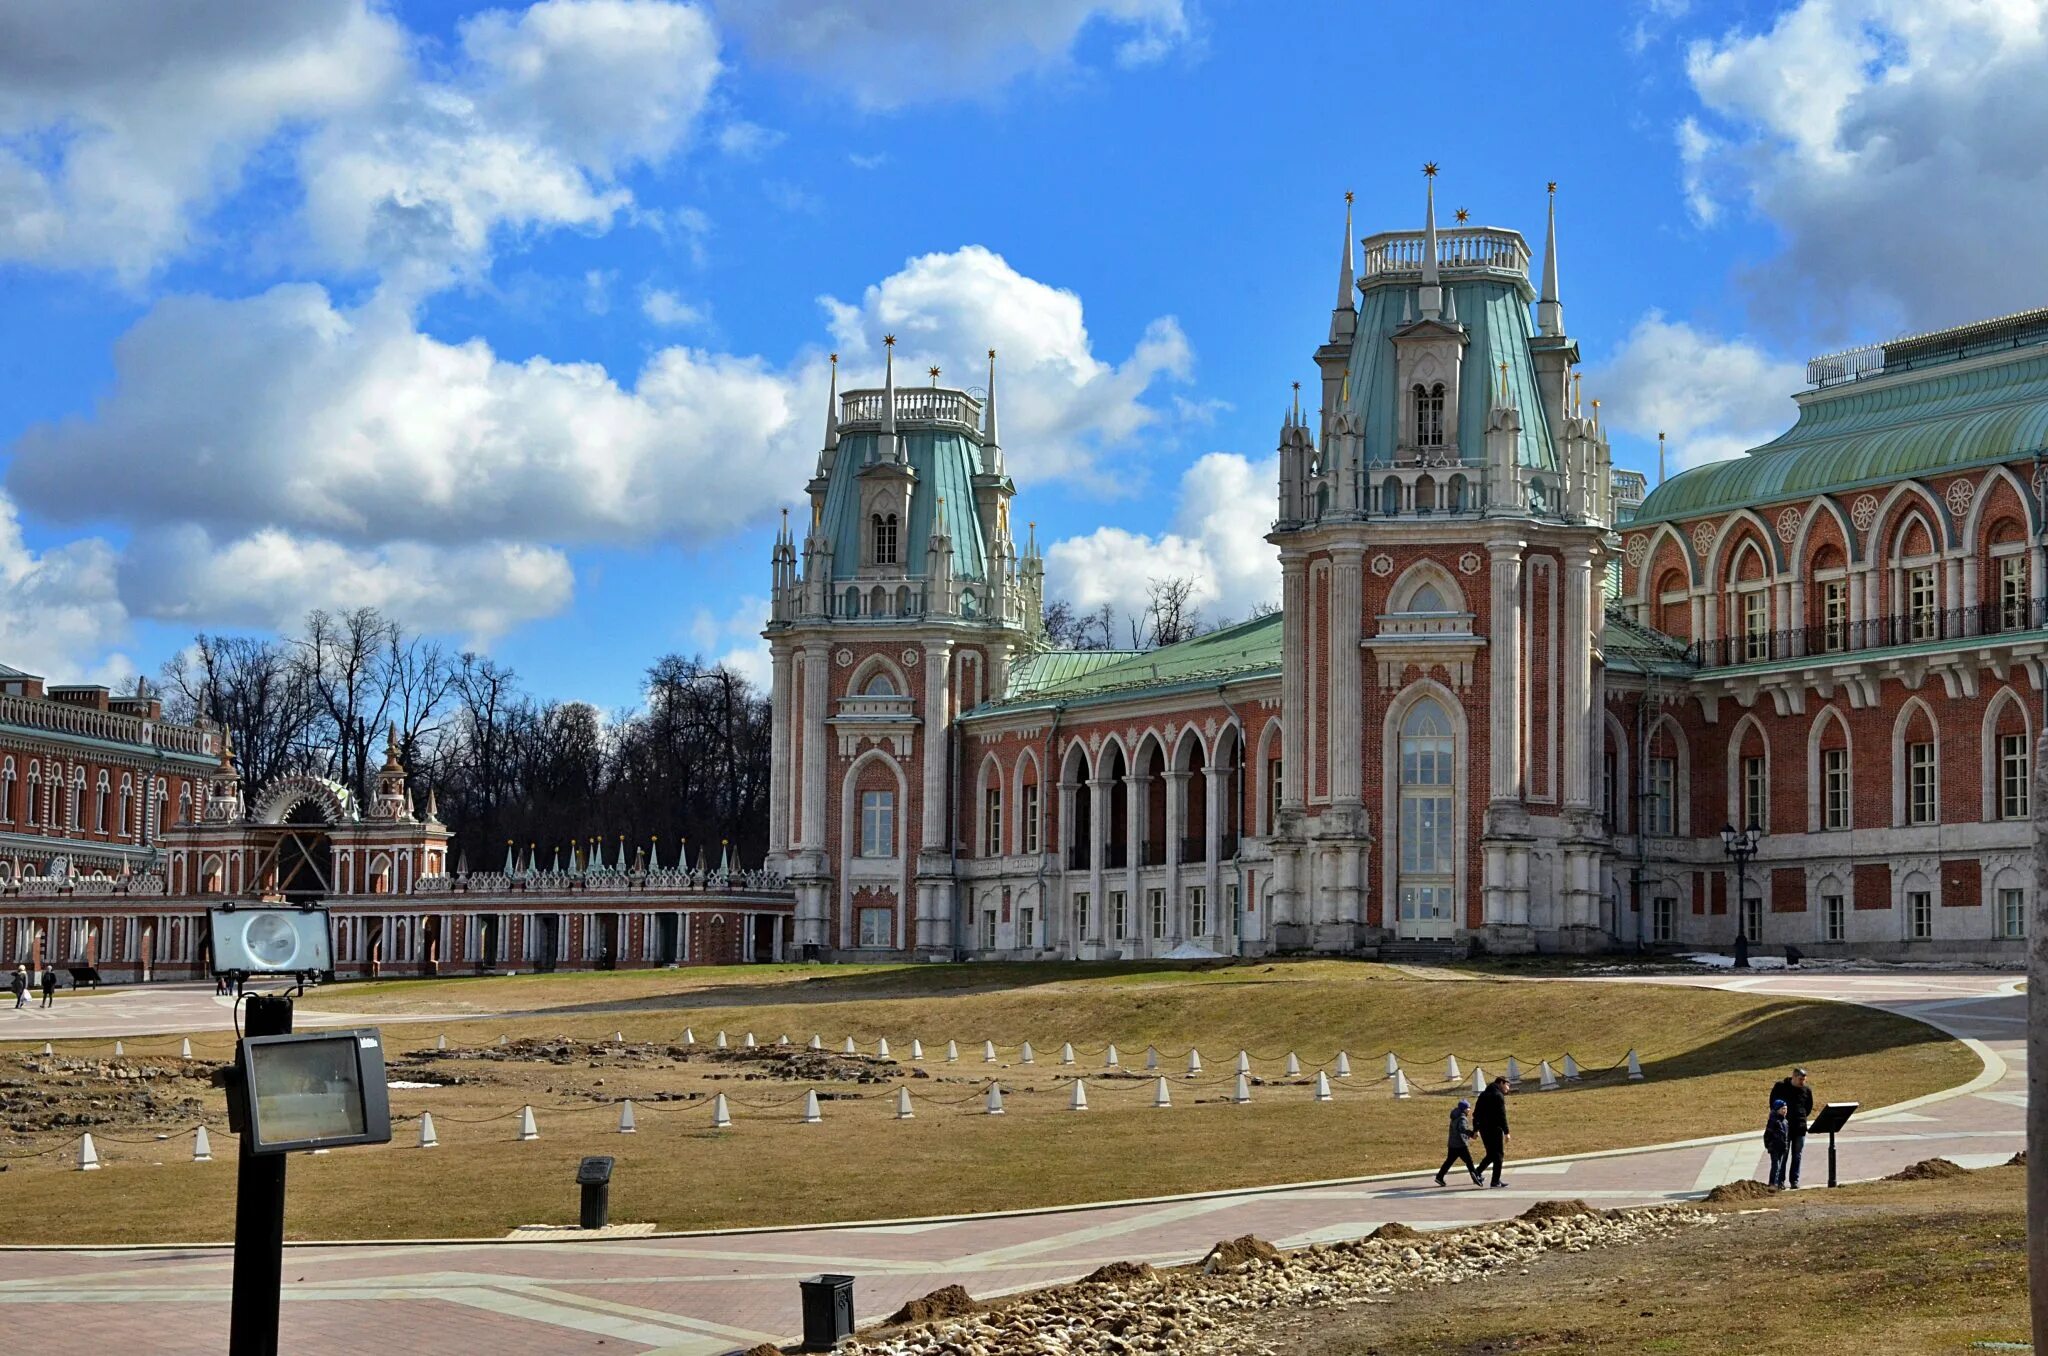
(1120, 915)
(989, 921)
(1753, 783)
(878, 823)
(1155, 905)
(872, 939)
(1198, 911)
(1753, 919)
(1029, 811)
(1834, 615)
(1661, 821)
(1919, 915)
(1923, 784)
(1834, 915)
(1756, 623)
(2012, 912)
(1921, 588)
(992, 820)
(1835, 801)
(2014, 775)
(1663, 918)
(1080, 914)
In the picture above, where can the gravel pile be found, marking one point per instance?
(1200, 1312)
(67, 1092)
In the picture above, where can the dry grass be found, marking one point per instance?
(1899, 1268)
(1708, 1055)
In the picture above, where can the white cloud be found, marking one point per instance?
(597, 289)
(529, 130)
(1218, 540)
(1061, 406)
(122, 124)
(889, 53)
(60, 610)
(1714, 398)
(663, 307)
(744, 140)
(867, 162)
(1896, 145)
(735, 639)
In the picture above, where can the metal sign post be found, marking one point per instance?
(259, 1213)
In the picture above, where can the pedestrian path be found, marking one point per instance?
(709, 1294)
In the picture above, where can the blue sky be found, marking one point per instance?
(513, 321)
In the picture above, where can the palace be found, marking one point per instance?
(1509, 702)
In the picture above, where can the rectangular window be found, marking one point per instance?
(1753, 919)
(992, 822)
(1155, 900)
(1660, 815)
(1834, 788)
(1272, 794)
(2012, 913)
(1232, 903)
(2012, 594)
(1919, 915)
(885, 540)
(1029, 810)
(2012, 776)
(1922, 618)
(1027, 934)
(988, 930)
(1663, 918)
(1119, 915)
(1198, 911)
(1081, 915)
(1756, 626)
(1756, 807)
(1834, 615)
(1834, 917)
(875, 927)
(878, 823)
(1920, 798)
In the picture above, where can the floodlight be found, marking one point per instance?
(270, 940)
(316, 1091)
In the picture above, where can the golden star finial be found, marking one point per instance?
(1429, 170)
(1463, 215)
(934, 369)
(1348, 196)
(1552, 188)
(991, 353)
(889, 340)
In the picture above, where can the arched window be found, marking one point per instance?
(1390, 496)
(1454, 495)
(1428, 826)
(1429, 415)
(99, 804)
(121, 827)
(1426, 599)
(35, 788)
(880, 685)
(7, 782)
(1539, 496)
(885, 539)
(853, 602)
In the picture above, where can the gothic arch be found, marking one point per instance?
(1988, 751)
(1262, 772)
(1646, 574)
(1681, 772)
(1737, 739)
(1425, 689)
(849, 804)
(1816, 786)
(1884, 529)
(1825, 506)
(1732, 532)
(864, 673)
(990, 776)
(1972, 525)
(1623, 791)
(1027, 762)
(1902, 727)
(279, 799)
(1419, 576)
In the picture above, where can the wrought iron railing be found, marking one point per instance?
(1825, 641)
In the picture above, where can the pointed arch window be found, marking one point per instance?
(884, 528)
(1428, 832)
(7, 782)
(1429, 415)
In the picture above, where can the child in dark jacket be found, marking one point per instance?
(1778, 1142)
(1461, 1131)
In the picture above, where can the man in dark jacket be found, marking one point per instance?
(1490, 1119)
(1798, 1100)
(1461, 1131)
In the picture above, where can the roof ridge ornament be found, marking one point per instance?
(1431, 298)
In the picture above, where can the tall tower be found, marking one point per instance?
(1439, 549)
(905, 608)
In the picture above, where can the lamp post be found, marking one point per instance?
(1740, 847)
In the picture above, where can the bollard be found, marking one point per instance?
(1571, 1069)
(1514, 1072)
(1478, 1079)
(1241, 1093)
(1293, 1065)
(1343, 1065)
(618, 1038)
(689, 1036)
(1194, 1062)
(118, 1051)
(903, 1112)
(428, 1140)
(1151, 1057)
(184, 1049)
(721, 1114)
(781, 1041)
(828, 1311)
(1400, 1085)
(1451, 1071)
(1079, 1101)
(626, 1125)
(1161, 1096)
(48, 1051)
(721, 1041)
(1392, 1063)
(202, 1147)
(1025, 1056)
(995, 1099)
(1323, 1093)
(812, 1116)
(952, 1052)
(747, 1042)
(1546, 1081)
(849, 1048)
(594, 1177)
(1109, 1060)
(882, 1048)
(440, 1043)
(504, 1040)
(988, 1052)
(1244, 1062)
(1067, 1053)
(1635, 1066)
(88, 1155)
(816, 1043)
(527, 1129)
(916, 1051)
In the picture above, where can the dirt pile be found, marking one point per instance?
(2018, 1160)
(1748, 1189)
(1119, 1273)
(947, 1302)
(1236, 1254)
(1395, 1231)
(61, 1092)
(1928, 1170)
(1544, 1211)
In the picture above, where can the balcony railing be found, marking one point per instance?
(914, 405)
(1487, 248)
(1077, 857)
(113, 726)
(1825, 642)
(1194, 849)
(1114, 856)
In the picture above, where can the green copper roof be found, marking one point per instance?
(1247, 650)
(945, 462)
(1629, 644)
(1496, 319)
(1931, 419)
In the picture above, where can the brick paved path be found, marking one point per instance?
(707, 1294)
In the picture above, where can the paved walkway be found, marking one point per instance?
(702, 1295)
(143, 1010)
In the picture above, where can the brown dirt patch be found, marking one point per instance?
(2018, 1160)
(1237, 1253)
(1748, 1189)
(765, 1349)
(59, 1092)
(947, 1302)
(1544, 1210)
(1120, 1273)
(1928, 1170)
(1395, 1230)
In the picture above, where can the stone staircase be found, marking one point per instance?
(1423, 953)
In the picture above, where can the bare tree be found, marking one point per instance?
(254, 689)
(1170, 616)
(1067, 629)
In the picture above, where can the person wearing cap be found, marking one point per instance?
(1490, 1119)
(1777, 1142)
(1798, 1100)
(1460, 1148)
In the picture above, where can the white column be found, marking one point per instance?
(1098, 835)
(1293, 683)
(1176, 832)
(1216, 785)
(1578, 674)
(1505, 669)
(1347, 588)
(817, 680)
(938, 719)
(778, 754)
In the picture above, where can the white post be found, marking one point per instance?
(1451, 1073)
(440, 1043)
(1546, 1081)
(1194, 1062)
(1161, 1097)
(619, 1038)
(1571, 1069)
(1400, 1086)
(1293, 1065)
(1025, 1056)
(995, 1099)
(689, 1036)
(184, 1049)
(1478, 1079)
(849, 1048)
(527, 1129)
(1635, 1066)
(812, 1115)
(916, 1051)
(1109, 1060)
(427, 1137)
(1343, 1064)
(1242, 1092)
(988, 1052)
(1067, 1053)
(1514, 1071)
(1323, 1093)
(1151, 1057)
(721, 1114)
(882, 1048)
(721, 1041)
(1080, 1098)
(118, 1051)
(202, 1146)
(817, 1043)
(952, 1052)
(1244, 1063)
(747, 1042)
(903, 1112)
(1393, 1064)
(626, 1125)
(88, 1155)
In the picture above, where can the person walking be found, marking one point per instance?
(1460, 1147)
(1777, 1143)
(1798, 1100)
(1490, 1118)
(50, 986)
(20, 986)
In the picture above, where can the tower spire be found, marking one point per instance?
(888, 440)
(1660, 458)
(1344, 315)
(832, 408)
(1549, 306)
(1432, 297)
(989, 437)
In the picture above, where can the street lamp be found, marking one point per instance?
(1741, 847)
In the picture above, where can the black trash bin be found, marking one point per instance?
(594, 1175)
(828, 1311)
